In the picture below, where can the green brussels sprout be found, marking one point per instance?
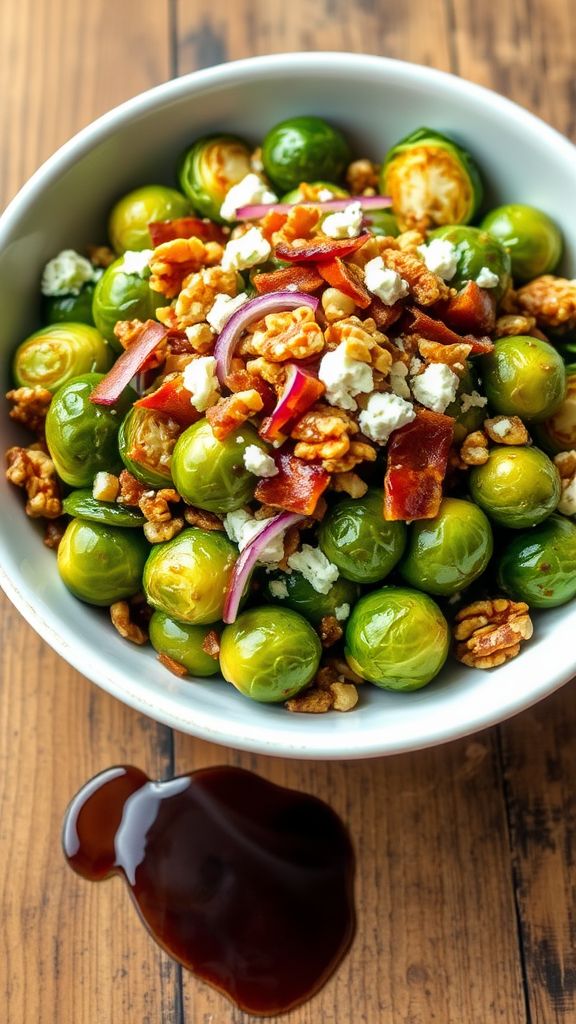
(54, 355)
(432, 180)
(58, 309)
(210, 168)
(188, 576)
(183, 642)
(310, 192)
(558, 433)
(292, 590)
(539, 567)
(474, 415)
(516, 487)
(397, 638)
(82, 437)
(382, 222)
(83, 505)
(146, 442)
(211, 474)
(269, 654)
(123, 295)
(447, 553)
(304, 149)
(355, 536)
(131, 215)
(531, 237)
(476, 249)
(524, 377)
(101, 564)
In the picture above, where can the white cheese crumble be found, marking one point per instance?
(246, 251)
(436, 388)
(398, 382)
(258, 462)
(501, 427)
(441, 257)
(278, 588)
(567, 503)
(199, 378)
(325, 194)
(224, 306)
(66, 273)
(346, 223)
(136, 262)
(251, 190)
(315, 568)
(342, 612)
(383, 414)
(473, 401)
(385, 283)
(344, 377)
(242, 528)
(415, 365)
(487, 278)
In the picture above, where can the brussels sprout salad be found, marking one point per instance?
(308, 420)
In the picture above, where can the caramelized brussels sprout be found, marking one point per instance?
(475, 250)
(58, 309)
(516, 487)
(121, 294)
(355, 536)
(54, 355)
(292, 590)
(208, 170)
(304, 149)
(101, 564)
(449, 552)
(539, 567)
(188, 576)
(558, 433)
(131, 215)
(530, 236)
(211, 474)
(431, 181)
(524, 377)
(83, 505)
(183, 643)
(146, 442)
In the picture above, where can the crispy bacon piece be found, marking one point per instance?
(173, 399)
(320, 249)
(435, 330)
(472, 310)
(109, 389)
(301, 390)
(242, 380)
(298, 279)
(297, 486)
(417, 463)
(185, 227)
(346, 278)
(382, 315)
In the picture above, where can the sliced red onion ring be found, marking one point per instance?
(109, 389)
(301, 390)
(258, 210)
(255, 309)
(248, 558)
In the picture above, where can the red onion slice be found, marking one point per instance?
(109, 389)
(248, 558)
(258, 210)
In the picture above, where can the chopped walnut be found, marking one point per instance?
(454, 356)
(197, 297)
(34, 470)
(158, 533)
(512, 324)
(408, 241)
(101, 255)
(173, 666)
(311, 702)
(474, 450)
(363, 341)
(345, 696)
(507, 430)
(336, 305)
(349, 483)
(360, 175)
(211, 644)
(291, 542)
(233, 411)
(205, 520)
(358, 452)
(426, 287)
(330, 631)
(122, 622)
(552, 300)
(272, 373)
(321, 422)
(172, 262)
(53, 533)
(106, 486)
(342, 670)
(488, 633)
(30, 407)
(201, 338)
(565, 463)
(300, 224)
(131, 490)
(290, 335)
(155, 505)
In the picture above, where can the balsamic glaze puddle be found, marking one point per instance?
(247, 884)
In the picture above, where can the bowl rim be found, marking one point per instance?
(208, 726)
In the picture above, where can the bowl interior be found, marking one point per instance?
(375, 101)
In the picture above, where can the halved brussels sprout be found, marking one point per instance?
(146, 442)
(397, 638)
(516, 487)
(524, 377)
(431, 181)
(539, 567)
(382, 222)
(292, 590)
(208, 170)
(476, 249)
(558, 433)
(304, 149)
(183, 642)
(131, 215)
(211, 474)
(54, 355)
(449, 552)
(83, 505)
(58, 309)
(101, 564)
(123, 295)
(269, 654)
(530, 236)
(314, 192)
(188, 576)
(82, 437)
(355, 536)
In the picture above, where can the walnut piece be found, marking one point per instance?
(349, 483)
(32, 469)
(363, 342)
(454, 356)
(131, 490)
(122, 622)
(330, 631)
(205, 520)
(511, 325)
(30, 407)
(336, 305)
(425, 286)
(53, 533)
(197, 297)
(172, 262)
(233, 411)
(551, 300)
(566, 465)
(311, 702)
(360, 175)
(101, 255)
(300, 224)
(155, 505)
(158, 533)
(345, 695)
(290, 335)
(506, 430)
(173, 666)
(488, 633)
(474, 450)
(358, 452)
(211, 644)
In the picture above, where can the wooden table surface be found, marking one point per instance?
(466, 853)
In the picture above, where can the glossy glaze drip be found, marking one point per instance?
(247, 884)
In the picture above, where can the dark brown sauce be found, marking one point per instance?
(247, 884)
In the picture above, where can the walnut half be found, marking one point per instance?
(488, 633)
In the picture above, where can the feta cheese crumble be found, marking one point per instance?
(242, 528)
(200, 380)
(342, 612)
(66, 273)
(398, 382)
(249, 191)
(383, 414)
(473, 401)
(258, 462)
(436, 388)
(325, 194)
(344, 377)
(441, 257)
(246, 251)
(278, 588)
(487, 278)
(221, 311)
(136, 262)
(567, 503)
(385, 283)
(315, 568)
(345, 223)
(501, 427)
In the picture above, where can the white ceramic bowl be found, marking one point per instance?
(376, 101)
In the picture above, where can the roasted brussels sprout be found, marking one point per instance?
(355, 536)
(101, 564)
(449, 552)
(123, 295)
(269, 654)
(431, 181)
(475, 250)
(52, 356)
(530, 236)
(131, 215)
(146, 441)
(539, 567)
(468, 416)
(314, 191)
(187, 577)
(397, 638)
(58, 309)
(516, 487)
(292, 590)
(183, 643)
(208, 170)
(211, 474)
(82, 437)
(304, 149)
(558, 433)
(83, 505)
(382, 222)
(524, 377)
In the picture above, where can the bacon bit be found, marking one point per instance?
(109, 389)
(128, 332)
(435, 330)
(232, 412)
(473, 310)
(296, 487)
(172, 399)
(346, 278)
(384, 316)
(185, 227)
(211, 644)
(320, 249)
(417, 464)
(292, 403)
(243, 380)
(173, 666)
(299, 279)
